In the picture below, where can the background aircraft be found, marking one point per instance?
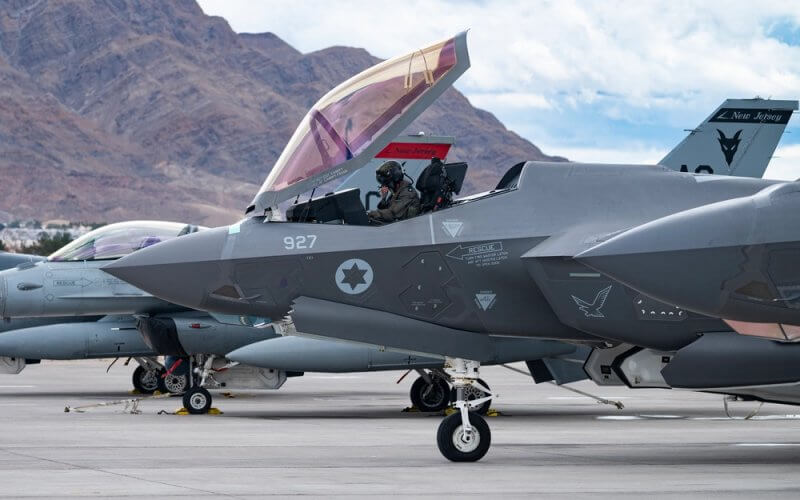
(500, 263)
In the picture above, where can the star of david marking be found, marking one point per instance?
(354, 276)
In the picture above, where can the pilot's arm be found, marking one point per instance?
(402, 205)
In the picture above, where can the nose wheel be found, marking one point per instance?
(465, 436)
(459, 444)
(197, 400)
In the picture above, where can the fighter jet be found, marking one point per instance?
(15, 364)
(500, 263)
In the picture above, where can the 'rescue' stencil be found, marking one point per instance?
(452, 227)
(354, 276)
(480, 255)
(485, 299)
(592, 309)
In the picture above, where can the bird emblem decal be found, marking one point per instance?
(592, 309)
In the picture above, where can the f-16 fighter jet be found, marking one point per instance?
(500, 263)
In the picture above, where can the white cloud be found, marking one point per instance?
(513, 100)
(785, 164)
(666, 62)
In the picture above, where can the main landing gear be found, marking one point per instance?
(432, 392)
(145, 381)
(465, 436)
(176, 377)
(146, 377)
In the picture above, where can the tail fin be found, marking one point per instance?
(414, 152)
(738, 138)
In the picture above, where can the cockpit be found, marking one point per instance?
(349, 125)
(120, 239)
(436, 185)
(354, 122)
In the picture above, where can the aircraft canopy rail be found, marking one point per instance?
(117, 240)
(348, 126)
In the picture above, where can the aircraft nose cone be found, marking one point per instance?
(181, 270)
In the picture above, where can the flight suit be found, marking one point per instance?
(403, 203)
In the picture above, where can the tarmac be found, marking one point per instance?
(346, 435)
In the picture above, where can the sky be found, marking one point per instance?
(602, 81)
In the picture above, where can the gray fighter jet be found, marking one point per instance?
(15, 364)
(500, 263)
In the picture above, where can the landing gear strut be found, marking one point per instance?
(465, 436)
(197, 400)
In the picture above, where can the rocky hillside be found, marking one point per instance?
(120, 109)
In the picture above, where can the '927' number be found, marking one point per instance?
(299, 242)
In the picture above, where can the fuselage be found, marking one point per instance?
(499, 263)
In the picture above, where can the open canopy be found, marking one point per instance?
(117, 240)
(355, 120)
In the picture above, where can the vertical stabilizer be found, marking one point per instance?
(738, 138)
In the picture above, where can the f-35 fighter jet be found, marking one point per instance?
(500, 263)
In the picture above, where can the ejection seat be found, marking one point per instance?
(437, 184)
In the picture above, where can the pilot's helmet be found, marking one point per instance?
(389, 173)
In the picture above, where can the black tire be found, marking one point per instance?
(430, 397)
(146, 381)
(449, 435)
(197, 400)
(475, 393)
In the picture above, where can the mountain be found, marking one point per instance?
(121, 109)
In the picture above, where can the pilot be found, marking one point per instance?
(403, 202)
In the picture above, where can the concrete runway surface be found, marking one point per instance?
(345, 435)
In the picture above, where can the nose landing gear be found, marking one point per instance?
(197, 400)
(465, 436)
